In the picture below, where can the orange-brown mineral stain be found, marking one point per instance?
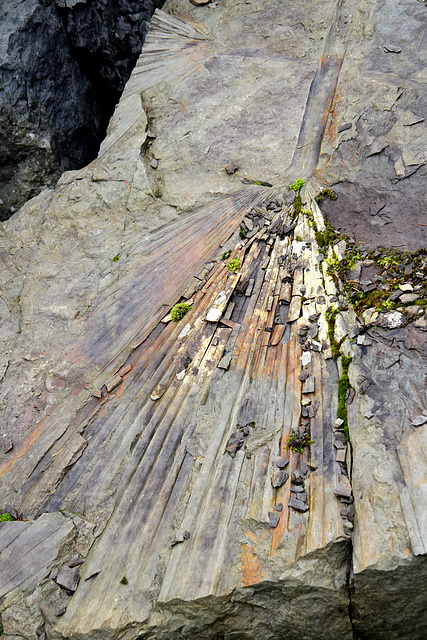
(251, 565)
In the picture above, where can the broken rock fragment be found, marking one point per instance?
(68, 578)
(273, 519)
(279, 478)
(343, 488)
(281, 463)
(419, 421)
(180, 536)
(298, 504)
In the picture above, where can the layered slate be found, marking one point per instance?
(171, 440)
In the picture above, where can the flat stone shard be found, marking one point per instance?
(279, 478)
(273, 519)
(214, 315)
(298, 504)
(309, 385)
(343, 488)
(419, 421)
(281, 463)
(114, 382)
(180, 536)
(68, 578)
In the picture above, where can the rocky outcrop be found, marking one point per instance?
(63, 66)
(256, 469)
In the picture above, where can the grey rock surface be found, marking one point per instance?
(122, 416)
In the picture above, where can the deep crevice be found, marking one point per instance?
(62, 75)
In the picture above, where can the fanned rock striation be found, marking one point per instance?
(257, 468)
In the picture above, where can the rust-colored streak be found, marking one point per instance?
(21, 448)
(251, 566)
(332, 128)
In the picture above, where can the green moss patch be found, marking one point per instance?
(6, 517)
(326, 237)
(179, 311)
(394, 268)
(234, 265)
(326, 193)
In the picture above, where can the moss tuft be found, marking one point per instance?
(179, 311)
(326, 193)
(6, 517)
(234, 265)
(326, 237)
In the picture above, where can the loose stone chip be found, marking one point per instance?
(419, 421)
(180, 536)
(279, 478)
(68, 578)
(298, 505)
(158, 392)
(273, 519)
(113, 382)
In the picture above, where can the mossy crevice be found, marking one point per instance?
(395, 268)
(331, 316)
(297, 203)
(343, 387)
(326, 193)
(326, 237)
(234, 265)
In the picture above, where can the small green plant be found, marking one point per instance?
(386, 304)
(389, 260)
(242, 234)
(6, 517)
(352, 259)
(124, 580)
(297, 443)
(226, 254)
(234, 265)
(179, 311)
(116, 258)
(297, 185)
(333, 263)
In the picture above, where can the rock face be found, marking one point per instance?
(63, 66)
(257, 469)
